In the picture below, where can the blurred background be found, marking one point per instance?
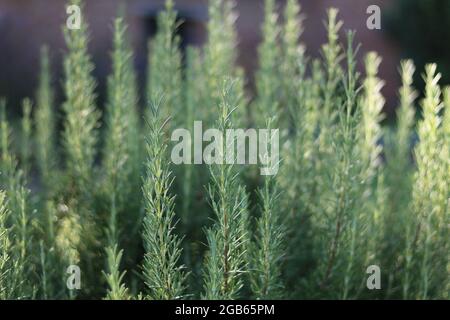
(418, 29)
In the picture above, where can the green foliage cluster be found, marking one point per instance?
(105, 196)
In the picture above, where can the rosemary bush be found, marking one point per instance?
(106, 197)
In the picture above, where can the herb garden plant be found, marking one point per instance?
(102, 196)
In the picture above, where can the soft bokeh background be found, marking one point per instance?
(410, 28)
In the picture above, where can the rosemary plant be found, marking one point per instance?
(398, 221)
(164, 277)
(165, 62)
(80, 135)
(45, 123)
(430, 195)
(225, 261)
(350, 193)
(267, 249)
(5, 247)
(118, 153)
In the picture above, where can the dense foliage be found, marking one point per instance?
(104, 195)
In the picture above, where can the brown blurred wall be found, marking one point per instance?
(27, 24)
